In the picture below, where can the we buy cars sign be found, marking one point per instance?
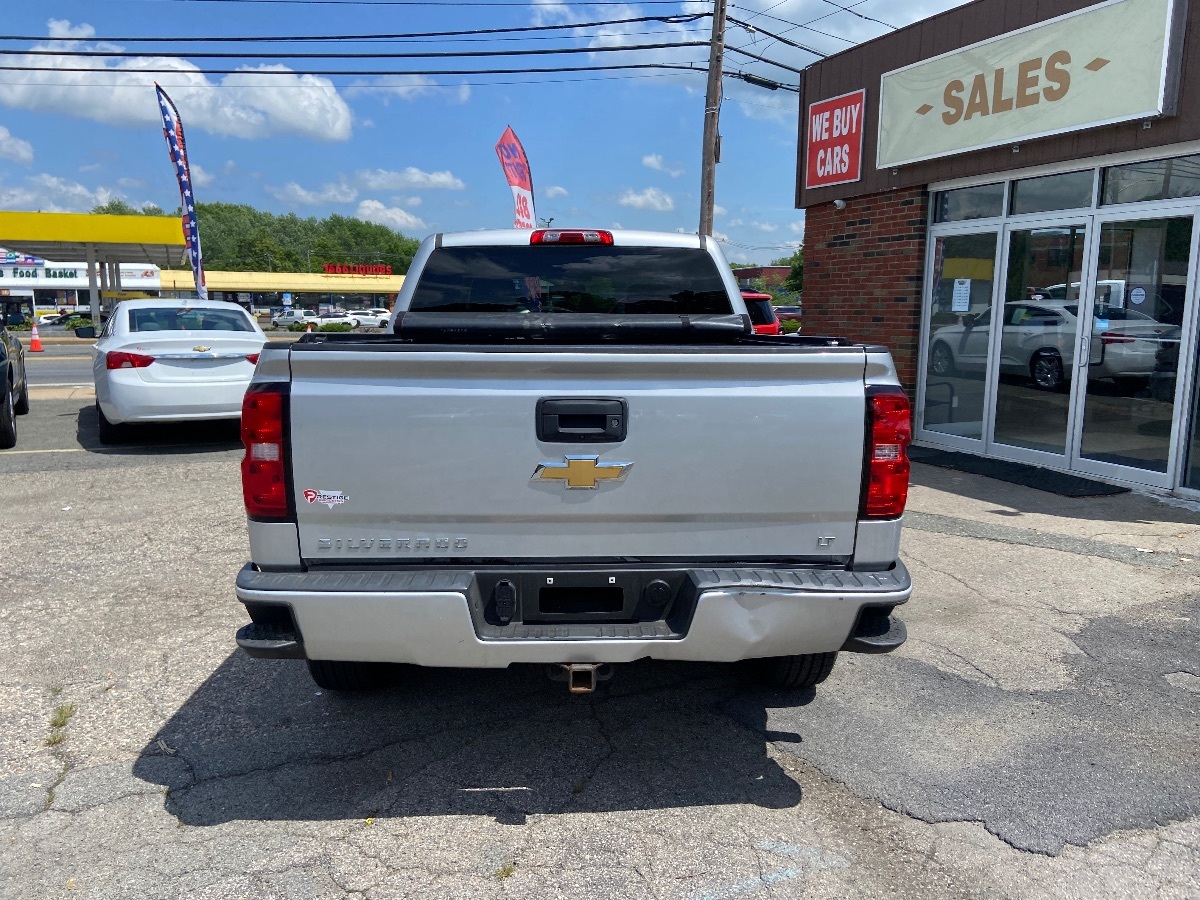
(835, 140)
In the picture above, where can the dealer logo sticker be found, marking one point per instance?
(329, 498)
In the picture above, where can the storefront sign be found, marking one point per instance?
(834, 140)
(1104, 64)
(348, 269)
(38, 273)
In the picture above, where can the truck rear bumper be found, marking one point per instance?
(432, 618)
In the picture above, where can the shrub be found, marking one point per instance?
(788, 326)
(76, 322)
(298, 326)
(336, 326)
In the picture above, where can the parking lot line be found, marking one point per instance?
(28, 452)
(33, 358)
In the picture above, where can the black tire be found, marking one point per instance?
(335, 675)
(1046, 370)
(21, 407)
(8, 418)
(941, 360)
(796, 672)
(106, 430)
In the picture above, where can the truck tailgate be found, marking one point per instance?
(738, 453)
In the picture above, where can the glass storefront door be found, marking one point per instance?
(1033, 353)
(958, 334)
(1130, 358)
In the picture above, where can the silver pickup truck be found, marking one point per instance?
(571, 449)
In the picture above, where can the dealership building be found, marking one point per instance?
(1006, 195)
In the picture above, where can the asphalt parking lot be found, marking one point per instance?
(1038, 736)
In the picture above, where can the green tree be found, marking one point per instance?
(795, 279)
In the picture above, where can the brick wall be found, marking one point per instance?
(863, 270)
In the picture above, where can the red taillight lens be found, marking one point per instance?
(264, 467)
(889, 432)
(252, 358)
(1115, 337)
(119, 359)
(571, 237)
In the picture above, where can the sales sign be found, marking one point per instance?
(835, 140)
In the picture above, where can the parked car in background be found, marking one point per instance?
(333, 318)
(762, 313)
(292, 316)
(789, 313)
(1038, 341)
(370, 318)
(172, 361)
(14, 384)
(52, 318)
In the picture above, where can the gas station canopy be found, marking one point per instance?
(112, 239)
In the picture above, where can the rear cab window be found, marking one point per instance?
(571, 279)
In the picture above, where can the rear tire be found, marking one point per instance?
(1046, 370)
(8, 418)
(106, 430)
(336, 675)
(21, 407)
(941, 360)
(796, 672)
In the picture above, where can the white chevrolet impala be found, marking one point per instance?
(173, 361)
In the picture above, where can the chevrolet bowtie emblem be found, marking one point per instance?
(201, 349)
(581, 471)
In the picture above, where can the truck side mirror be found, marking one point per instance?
(85, 331)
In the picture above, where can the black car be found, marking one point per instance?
(15, 399)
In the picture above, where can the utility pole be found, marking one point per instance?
(712, 115)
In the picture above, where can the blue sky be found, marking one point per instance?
(416, 152)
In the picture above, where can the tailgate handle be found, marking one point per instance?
(575, 420)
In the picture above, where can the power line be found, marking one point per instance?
(272, 39)
(764, 59)
(429, 54)
(854, 12)
(351, 72)
(792, 26)
(779, 38)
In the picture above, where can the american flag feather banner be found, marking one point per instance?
(177, 147)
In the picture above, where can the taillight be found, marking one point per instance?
(119, 359)
(264, 467)
(889, 432)
(571, 237)
(252, 358)
(1115, 337)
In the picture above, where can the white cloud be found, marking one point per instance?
(50, 193)
(391, 216)
(764, 227)
(719, 210)
(91, 167)
(796, 228)
(62, 28)
(650, 198)
(201, 178)
(247, 104)
(411, 202)
(126, 182)
(655, 161)
(736, 223)
(329, 193)
(555, 191)
(410, 179)
(408, 87)
(12, 147)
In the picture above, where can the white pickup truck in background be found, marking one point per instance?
(556, 456)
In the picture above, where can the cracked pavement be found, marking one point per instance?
(1037, 736)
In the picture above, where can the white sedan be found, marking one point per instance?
(173, 361)
(370, 318)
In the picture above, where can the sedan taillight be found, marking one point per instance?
(264, 467)
(252, 358)
(886, 469)
(120, 359)
(1115, 337)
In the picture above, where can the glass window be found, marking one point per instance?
(1160, 179)
(1069, 191)
(960, 319)
(969, 203)
(571, 279)
(196, 318)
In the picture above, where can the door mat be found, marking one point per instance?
(1015, 473)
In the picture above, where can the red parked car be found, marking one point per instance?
(762, 313)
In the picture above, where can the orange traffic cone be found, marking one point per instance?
(309, 329)
(35, 342)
